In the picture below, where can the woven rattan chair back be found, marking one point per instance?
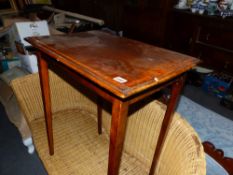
(74, 118)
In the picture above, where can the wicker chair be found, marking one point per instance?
(80, 150)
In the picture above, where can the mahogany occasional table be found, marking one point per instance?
(119, 70)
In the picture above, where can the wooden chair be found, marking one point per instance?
(218, 155)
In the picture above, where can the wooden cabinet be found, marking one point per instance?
(214, 47)
(103, 9)
(147, 20)
(144, 20)
(208, 37)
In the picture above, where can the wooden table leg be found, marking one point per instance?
(99, 114)
(175, 92)
(45, 89)
(117, 135)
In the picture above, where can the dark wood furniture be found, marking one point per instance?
(209, 38)
(218, 155)
(144, 20)
(102, 9)
(147, 20)
(119, 70)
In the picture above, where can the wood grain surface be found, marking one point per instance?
(120, 65)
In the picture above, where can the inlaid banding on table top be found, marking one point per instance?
(101, 57)
(96, 60)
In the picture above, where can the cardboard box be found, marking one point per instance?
(29, 62)
(22, 30)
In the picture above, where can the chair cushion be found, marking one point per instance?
(78, 147)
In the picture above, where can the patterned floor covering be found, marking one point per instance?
(209, 125)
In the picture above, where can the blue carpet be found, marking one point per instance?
(210, 126)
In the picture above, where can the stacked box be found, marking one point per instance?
(19, 31)
(217, 83)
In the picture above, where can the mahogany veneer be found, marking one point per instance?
(119, 70)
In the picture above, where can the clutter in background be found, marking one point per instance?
(18, 32)
(217, 83)
(15, 51)
(7, 59)
(222, 8)
(227, 100)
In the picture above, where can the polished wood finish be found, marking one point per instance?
(117, 135)
(119, 70)
(175, 91)
(141, 65)
(44, 82)
(218, 155)
(99, 114)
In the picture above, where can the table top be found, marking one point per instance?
(120, 65)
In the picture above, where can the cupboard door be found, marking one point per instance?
(217, 37)
(214, 58)
(109, 11)
(69, 5)
(146, 20)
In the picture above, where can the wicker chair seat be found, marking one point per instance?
(80, 150)
(78, 147)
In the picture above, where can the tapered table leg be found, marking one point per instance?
(175, 92)
(99, 114)
(117, 135)
(45, 89)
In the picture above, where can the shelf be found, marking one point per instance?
(213, 17)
